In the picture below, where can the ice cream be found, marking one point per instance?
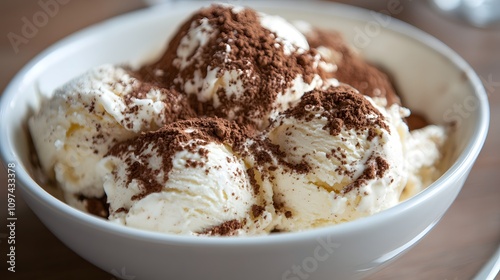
(85, 117)
(423, 154)
(245, 125)
(189, 177)
(240, 65)
(339, 158)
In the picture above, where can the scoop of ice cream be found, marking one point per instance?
(339, 158)
(423, 154)
(76, 127)
(351, 68)
(240, 65)
(189, 177)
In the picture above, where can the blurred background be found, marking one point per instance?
(456, 249)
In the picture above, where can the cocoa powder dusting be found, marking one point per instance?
(352, 68)
(301, 167)
(227, 228)
(253, 181)
(169, 140)
(342, 106)
(175, 105)
(374, 168)
(239, 43)
(257, 210)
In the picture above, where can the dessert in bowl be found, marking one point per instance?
(345, 250)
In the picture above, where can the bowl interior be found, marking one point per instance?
(431, 78)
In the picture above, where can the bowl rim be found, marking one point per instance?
(459, 167)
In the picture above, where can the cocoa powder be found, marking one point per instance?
(169, 140)
(264, 69)
(352, 69)
(227, 228)
(342, 106)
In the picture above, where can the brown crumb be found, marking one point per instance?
(227, 228)
(257, 210)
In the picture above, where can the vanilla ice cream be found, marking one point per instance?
(339, 158)
(423, 151)
(187, 178)
(76, 127)
(241, 65)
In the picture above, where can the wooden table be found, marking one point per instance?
(457, 247)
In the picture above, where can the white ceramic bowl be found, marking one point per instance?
(431, 77)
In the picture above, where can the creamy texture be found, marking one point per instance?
(85, 117)
(422, 156)
(340, 158)
(184, 179)
(241, 65)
